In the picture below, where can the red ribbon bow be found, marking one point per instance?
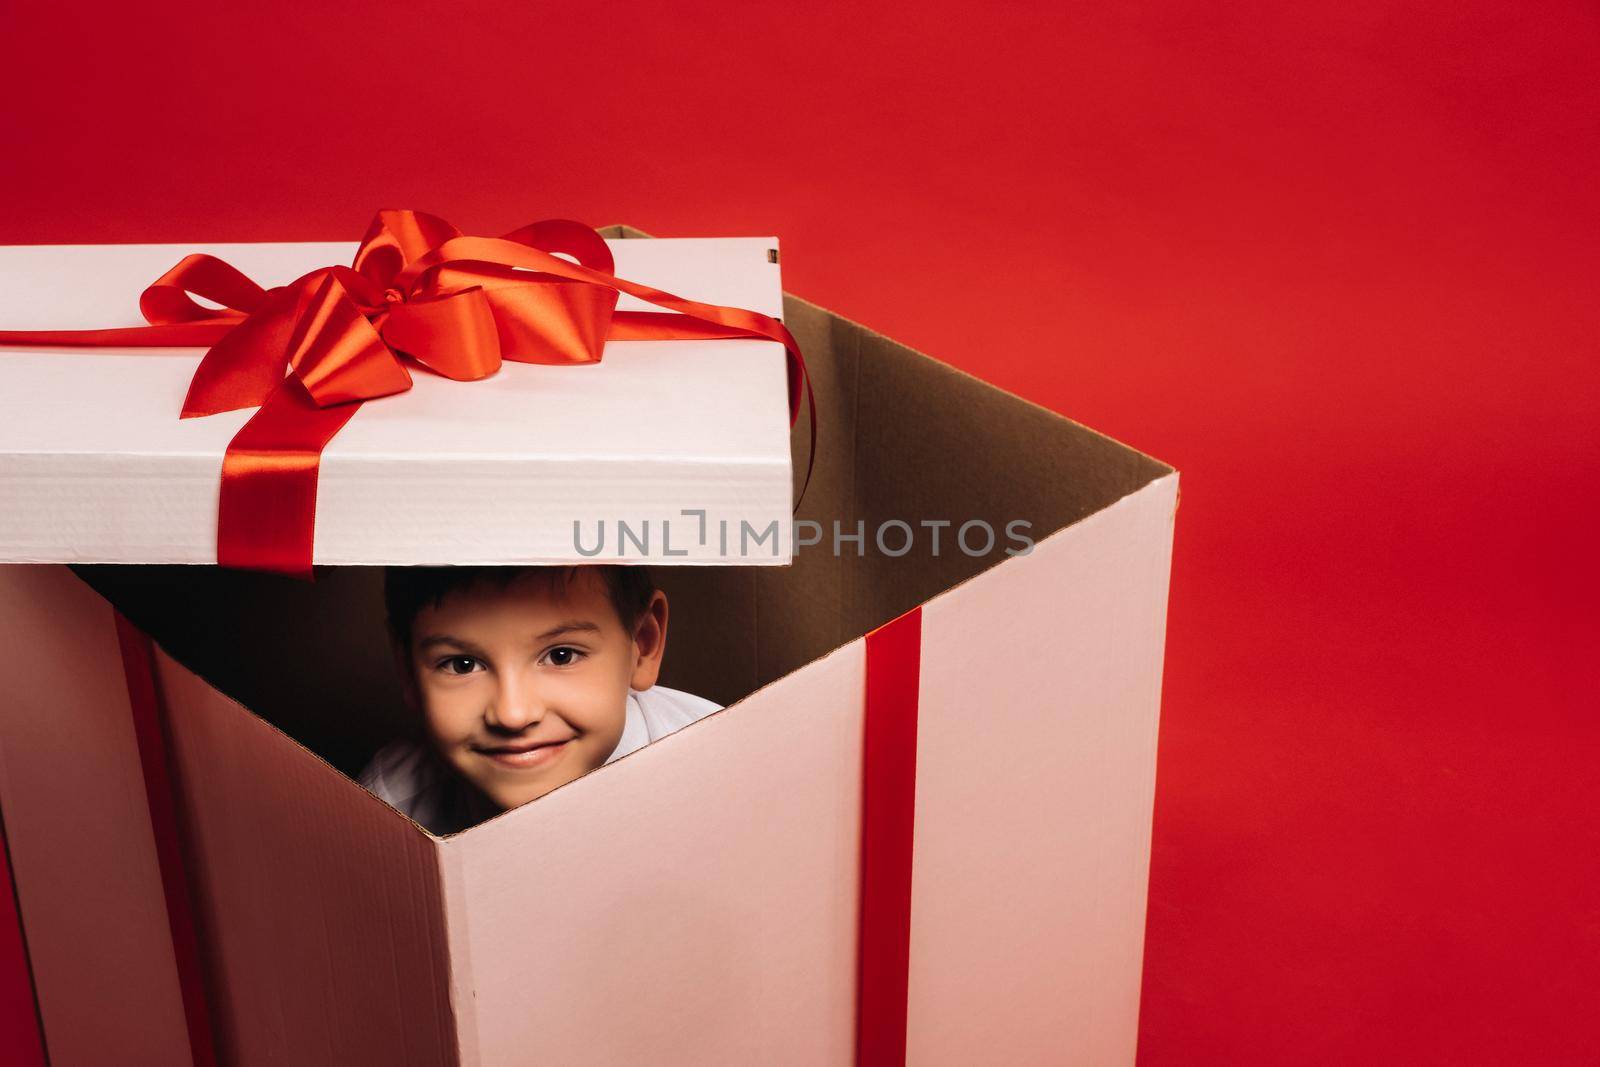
(418, 288)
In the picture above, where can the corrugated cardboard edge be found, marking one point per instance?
(458, 950)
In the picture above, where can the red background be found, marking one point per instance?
(1335, 262)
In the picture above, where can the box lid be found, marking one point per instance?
(670, 451)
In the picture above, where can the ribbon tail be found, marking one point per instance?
(267, 511)
(798, 374)
(244, 367)
(734, 322)
(171, 335)
(667, 326)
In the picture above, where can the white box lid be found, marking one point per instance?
(96, 466)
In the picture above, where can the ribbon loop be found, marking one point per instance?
(573, 238)
(453, 335)
(396, 238)
(167, 300)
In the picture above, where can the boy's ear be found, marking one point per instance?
(650, 642)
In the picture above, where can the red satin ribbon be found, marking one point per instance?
(888, 821)
(309, 353)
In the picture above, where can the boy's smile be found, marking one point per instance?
(525, 688)
(524, 754)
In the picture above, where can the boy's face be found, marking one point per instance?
(525, 688)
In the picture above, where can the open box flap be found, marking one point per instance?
(705, 879)
(321, 930)
(78, 831)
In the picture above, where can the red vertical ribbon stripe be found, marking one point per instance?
(21, 1030)
(888, 814)
(149, 715)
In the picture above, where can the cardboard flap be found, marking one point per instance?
(318, 905)
(934, 444)
(627, 917)
(78, 829)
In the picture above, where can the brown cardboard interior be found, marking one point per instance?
(263, 814)
(900, 437)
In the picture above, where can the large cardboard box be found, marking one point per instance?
(697, 902)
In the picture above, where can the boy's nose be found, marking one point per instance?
(516, 705)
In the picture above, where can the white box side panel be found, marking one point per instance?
(694, 903)
(1036, 754)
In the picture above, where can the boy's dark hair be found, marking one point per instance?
(407, 590)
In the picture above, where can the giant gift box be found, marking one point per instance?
(918, 833)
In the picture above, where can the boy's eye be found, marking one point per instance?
(563, 656)
(458, 664)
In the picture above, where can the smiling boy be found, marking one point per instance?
(525, 678)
